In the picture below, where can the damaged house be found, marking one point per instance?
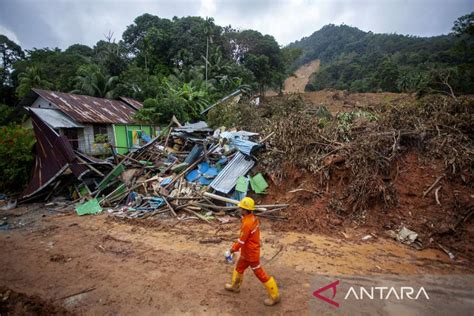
(90, 124)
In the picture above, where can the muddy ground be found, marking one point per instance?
(55, 263)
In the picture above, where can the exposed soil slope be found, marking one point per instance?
(297, 82)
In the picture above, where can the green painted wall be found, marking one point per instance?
(122, 136)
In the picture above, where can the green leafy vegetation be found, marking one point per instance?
(16, 157)
(183, 64)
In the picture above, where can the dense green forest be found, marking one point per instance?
(176, 66)
(179, 66)
(360, 61)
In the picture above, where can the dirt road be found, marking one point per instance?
(95, 265)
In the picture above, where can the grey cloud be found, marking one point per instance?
(64, 22)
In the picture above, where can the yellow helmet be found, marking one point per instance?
(247, 203)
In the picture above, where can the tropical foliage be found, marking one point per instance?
(16, 156)
(31, 78)
(184, 64)
(181, 65)
(91, 80)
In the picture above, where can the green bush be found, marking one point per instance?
(161, 111)
(5, 112)
(16, 157)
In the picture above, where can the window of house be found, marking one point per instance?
(100, 134)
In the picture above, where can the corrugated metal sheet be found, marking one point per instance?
(194, 154)
(241, 141)
(200, 126)
(244, 146)
(55, 118)
(133, 103)
(227, 178)
(87, 109)
(54, 155)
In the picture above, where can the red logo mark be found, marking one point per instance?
(324, 298)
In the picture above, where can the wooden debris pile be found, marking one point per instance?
(190, 171)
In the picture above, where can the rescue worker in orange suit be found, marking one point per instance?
(249, 246)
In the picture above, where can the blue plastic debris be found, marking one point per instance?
(203, 166)
(146, 138)
(165, 182)
(211, 173)
(193, 175)
(132, 197)
(204, 181)
(223, 160)
(204, 174)
(156, 202)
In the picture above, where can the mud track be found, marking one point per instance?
(95, 265)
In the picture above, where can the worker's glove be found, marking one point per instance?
(229, 257)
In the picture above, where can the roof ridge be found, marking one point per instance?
(89, 109)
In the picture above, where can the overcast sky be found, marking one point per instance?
(60, 23)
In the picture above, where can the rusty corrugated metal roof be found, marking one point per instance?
(54, 155)
(137, 105)
(87, 109)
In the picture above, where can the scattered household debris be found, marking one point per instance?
(90, 207)
(10, 204)
(406, 236)
(187, 172)
(366, 237)
(446, 250)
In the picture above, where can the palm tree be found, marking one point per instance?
(217, 64)
(31, 78)
(92, 81)
(208, 32)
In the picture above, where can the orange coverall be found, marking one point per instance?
(249, 246)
